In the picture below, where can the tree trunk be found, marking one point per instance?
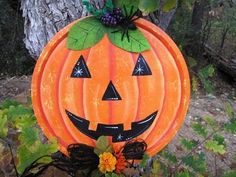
(194, 37)
(44, 18)
(228, 66)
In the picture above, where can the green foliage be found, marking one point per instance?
(3, 125)
(127, 3)
(210, 121)
(113, 175)
(195, 162)
(145, 6)
(149, 6)
(214, 146)
(108, 6)
(7, 103)
(219, 139)
(189, 144)
(169, 5)
(30, 148)
(89, 31)
(144, 160)
(229, 110)
(156, 167)
(191, 161)
(27, 154)
(137, 43)
(231, 125)
(192, 62)
(97, 173)
(204, 75)
(194, 83)
(85, 33)
(15, 112)
(184, 173)
(169, 156)
(102, 145)
(231, 173)
(199, 129)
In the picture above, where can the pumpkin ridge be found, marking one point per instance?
(58, 101)
(160, 55)
(43, 109)
(139, 95)
(168, 132)
(112, 70)
(36, 83)
(97, 57)
(78, 83)
(159, 108)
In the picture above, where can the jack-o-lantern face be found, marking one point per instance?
(116, 131)
(104, 90)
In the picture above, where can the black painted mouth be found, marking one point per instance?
(116, 131)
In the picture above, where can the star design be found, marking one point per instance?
(139, 70)
(78, 71)
(119, 137)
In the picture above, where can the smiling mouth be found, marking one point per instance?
(116, 131)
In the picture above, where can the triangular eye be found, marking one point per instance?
(80, 69)
(141, 68)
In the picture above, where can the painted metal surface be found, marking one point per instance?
(164, 88)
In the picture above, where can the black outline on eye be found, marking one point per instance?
(80, 69)
(141, 67)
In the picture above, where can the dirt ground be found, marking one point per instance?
(202, 104)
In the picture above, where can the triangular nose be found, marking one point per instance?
(111, 93)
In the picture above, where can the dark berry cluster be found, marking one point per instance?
(113, 18)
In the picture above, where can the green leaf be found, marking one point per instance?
(85, 34)
(127, 3)
(191, 62)
(196, 162)
(102, 145)
(169, 156)
(3, 125)
(15, 112)
(7, 103)
(111, 175)
(28, 136)
(194, 83)
(199, 129)
(229, 110)
(214, 146)
(230, 126)
(189, 144)
(148, 6)
(204, 74)
(27, 154)
(169, 5)
(96, 173)
(156, 167)
(208, 86)
(220, 139)
(25, 121)
(184, 173)
(210, 121)
(144, 160)
(207, 71)
(137, 43)
(230, 173)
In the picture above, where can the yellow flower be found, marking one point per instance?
(107, 162)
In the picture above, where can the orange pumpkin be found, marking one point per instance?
(104, 90)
